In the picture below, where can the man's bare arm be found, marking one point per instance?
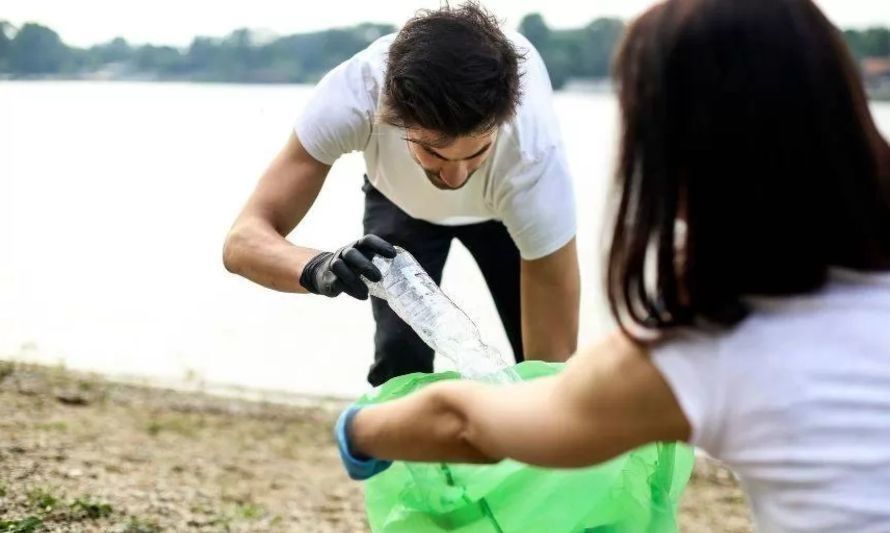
(256, 247)
(551, 294)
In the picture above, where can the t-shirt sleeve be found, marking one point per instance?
(538, 206)
(339, 116)
(535, 200)
(690, 363)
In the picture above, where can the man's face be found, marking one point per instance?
(449, 166)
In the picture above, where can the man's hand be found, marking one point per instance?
(332, 273)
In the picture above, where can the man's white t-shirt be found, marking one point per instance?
(796, 400)
(524, 183)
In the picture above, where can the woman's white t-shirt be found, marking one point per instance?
(524, 183)
(796, 400)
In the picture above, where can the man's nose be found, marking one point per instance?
(454, 175)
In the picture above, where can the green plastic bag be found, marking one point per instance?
(636, 492)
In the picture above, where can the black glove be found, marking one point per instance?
(332, 273)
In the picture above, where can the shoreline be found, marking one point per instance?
(191, 382)
(581, 85)
(83, 452)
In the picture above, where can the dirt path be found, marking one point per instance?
(78, 453)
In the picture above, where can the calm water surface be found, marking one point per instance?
(115, 199)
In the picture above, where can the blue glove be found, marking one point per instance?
(357, 466)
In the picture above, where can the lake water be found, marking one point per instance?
(115, 199)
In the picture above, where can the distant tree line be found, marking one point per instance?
(578, 53)
(37, 51)
(873, 42)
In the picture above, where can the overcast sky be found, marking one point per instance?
(176, 22)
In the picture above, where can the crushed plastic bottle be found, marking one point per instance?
(416, 298)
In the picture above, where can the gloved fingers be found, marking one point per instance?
(372, 244)
(352, 285)
(361, 265)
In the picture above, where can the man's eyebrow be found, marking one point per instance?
(431, 150)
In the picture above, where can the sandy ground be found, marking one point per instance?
(78, 453)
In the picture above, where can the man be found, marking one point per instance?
(456, 124)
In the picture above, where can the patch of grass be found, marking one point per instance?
(42, 500)
(223, 522)
(137, 525)
(90, 508)
(240, 511)
(60, 425)
(249, 511)
(178, 424)
(153, 428)
(6, 370)
(200, 509)
(25, 525)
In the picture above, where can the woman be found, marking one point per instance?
(749, 271)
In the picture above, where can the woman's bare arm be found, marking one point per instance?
(610, 399)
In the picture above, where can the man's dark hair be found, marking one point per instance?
(452, 71)
(748, 120)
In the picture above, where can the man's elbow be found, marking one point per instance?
(232, 250)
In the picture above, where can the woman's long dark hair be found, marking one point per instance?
(747, 120)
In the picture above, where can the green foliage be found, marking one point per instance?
(585, 52)
(536, 31)
(601, 38)
(113, 51)
(90, 509)
(5, 44)
(239, 57)
(136, 525)
(161, 60)
(36, 49)
(58, 425)
(588, 52)
(42, 500)
(577, 53)
(6, 369)
(26, 525)
(873, 42)
(249, 511)
(180, 424)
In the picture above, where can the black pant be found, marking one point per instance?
(397, 348)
